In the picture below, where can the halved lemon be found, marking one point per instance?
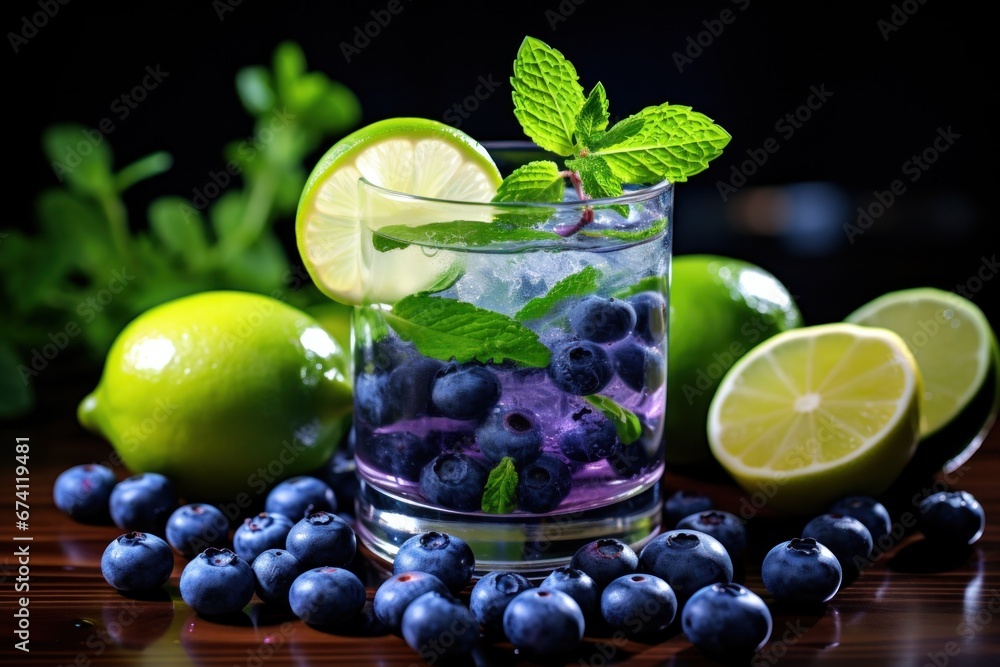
(957, 352)
(818, 413)
(416, 156)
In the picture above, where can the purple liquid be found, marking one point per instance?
(633, 469)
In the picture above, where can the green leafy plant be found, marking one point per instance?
(668, 141)
(86, 270)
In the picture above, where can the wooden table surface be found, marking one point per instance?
(911, 607)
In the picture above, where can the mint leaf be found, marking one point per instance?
(593, 116)
(626, 423)
(673, 143)
(577, 284)
(498, 496)
(450, 329)
(633, 235)
(621, 131)
(538, 181)
(598, 181)
(647, 284)
(457, 232)
(547, 96)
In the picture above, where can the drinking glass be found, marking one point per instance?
(510, 379)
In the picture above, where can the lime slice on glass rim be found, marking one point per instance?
(818, 413)
(416, 156)
(957, 352)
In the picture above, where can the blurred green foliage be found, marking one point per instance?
(86, 271)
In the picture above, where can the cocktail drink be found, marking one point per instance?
(517, 402)
(510, 329)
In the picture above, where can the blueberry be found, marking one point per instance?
(578, 585)
(193, 528)
(274, 571)
(388, 352)
(217, 582)
(542, 484)
(650, 316)
(543, 622)
(436, 625)
(512, 432)
(410, 385)
(371, 404)
(300, 496)
(580, 368)
(630, 460)
(687, 560)
(952, 516)
(341, 476)
(723, 526)
(641, 368)
(726, 619)
(326, 595)
(137, 562)
(491, 595)
(605, 560)
(84, 491)
(602, 320)
(143, 502)
(466, 393)
(846, 537)
(868, 511)
(801, 570)
(592, 437)
(401, 454)
(447, 557)
(322, 539)
(684, 503)
(398, 591)
(455, 481)
(260, 533)
(638, 604)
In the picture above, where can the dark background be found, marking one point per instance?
(891, 92)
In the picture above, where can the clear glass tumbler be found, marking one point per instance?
(513, 391)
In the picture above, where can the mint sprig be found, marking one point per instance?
(449, 329)
(576, 284)
(627, 424)
(501, 486)
(665, 142)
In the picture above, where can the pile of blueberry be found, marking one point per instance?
(294, 556)
(436, 429)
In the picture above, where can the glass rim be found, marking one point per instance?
(640, 194)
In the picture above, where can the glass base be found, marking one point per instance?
(531, 545)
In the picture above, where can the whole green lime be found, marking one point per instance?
(223, 392)
(720, 308)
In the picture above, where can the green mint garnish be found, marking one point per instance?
(626, 423)
(466, 233)
(448, 329)
(577, 284)
(535, 181)
(647, 284)
(499, 494)
(628, 235)
(665, 142)
(548, 96)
